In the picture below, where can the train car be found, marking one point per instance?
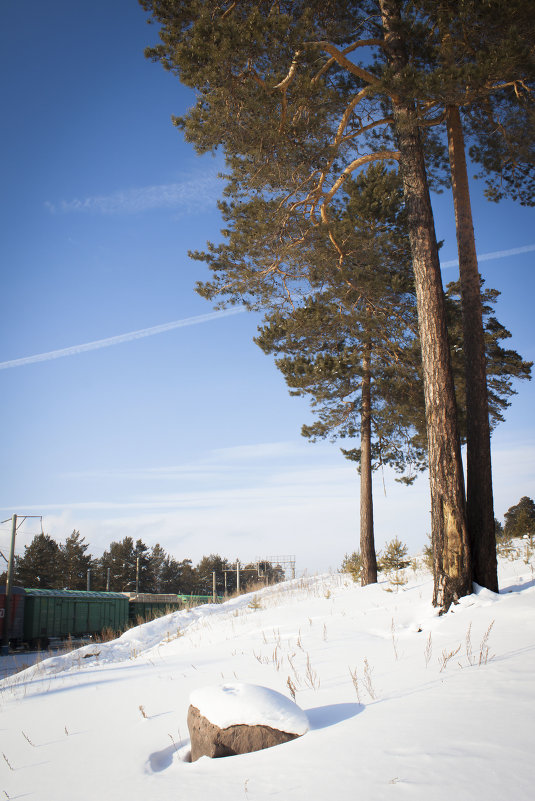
(198, 600)
(63, 613)
(16, 622)
(147, 606)
(37, 615)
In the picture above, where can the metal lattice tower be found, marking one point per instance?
(285, 563)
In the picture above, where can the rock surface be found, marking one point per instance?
(209, 740)
(230, 719)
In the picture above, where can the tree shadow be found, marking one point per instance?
(517, 587)
(321, 717)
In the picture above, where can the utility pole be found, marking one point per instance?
(89, 579)
(238, 576)
(214, 589)
(4, 648)
(137, 576)
(108, 579)
(7, 612)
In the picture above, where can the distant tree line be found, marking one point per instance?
(126, 565)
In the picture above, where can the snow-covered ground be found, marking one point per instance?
(401, 703)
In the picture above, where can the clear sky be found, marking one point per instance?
(185, 435)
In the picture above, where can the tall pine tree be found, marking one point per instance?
(280, 87)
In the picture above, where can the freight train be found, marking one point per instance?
(38, 615)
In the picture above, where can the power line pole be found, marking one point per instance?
(4, 648)
(7, 612)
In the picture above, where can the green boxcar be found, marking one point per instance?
(60, 613)
(196, 600)
(147, 606)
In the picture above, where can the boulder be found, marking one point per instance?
(230, 719)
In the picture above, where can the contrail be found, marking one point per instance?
(496, 254)
(105, 343)
(201, 318)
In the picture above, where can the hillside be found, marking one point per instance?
(402, 703)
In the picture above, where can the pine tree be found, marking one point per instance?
(120, 560)
(394, 556)
(144, 576)
(204, 571)
(158, 561)
(281, 90)
(352, 564)
(40, 566)
(350, 346)
(503, 365)
(477, 61)
(172, 576)
(75, 562)
(279, 93)
(453, 567)
(520, 519)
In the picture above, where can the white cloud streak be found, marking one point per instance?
(496, 254)
(117, 340)
(302, 501)
(191, 195)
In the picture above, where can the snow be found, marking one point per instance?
(401, 702)
(249, 704)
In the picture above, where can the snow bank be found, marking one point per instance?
(400, 701)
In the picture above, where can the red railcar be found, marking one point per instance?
(16, 623)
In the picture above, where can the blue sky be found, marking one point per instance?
(187, 436)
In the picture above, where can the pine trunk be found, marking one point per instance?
(479, 501)
(452, 566)
(367, 543)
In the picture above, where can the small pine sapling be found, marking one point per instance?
(352, 564)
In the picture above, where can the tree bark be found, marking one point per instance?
(452, 564)
(479, 501)
(367, 543)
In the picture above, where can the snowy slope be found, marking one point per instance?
(401, 703)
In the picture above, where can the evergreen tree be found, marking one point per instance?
(475, 60)
(144, 568)
(352, 564)
(204, 571)
(503, 365)
(158, 562)
(394, 556)
(40, 566)
(74, 562)
(520, 519)
(296, 118)
(186, 577)
(277, 90)
(121, 560)
(453, 566)
(170, 577)
(351, 346)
